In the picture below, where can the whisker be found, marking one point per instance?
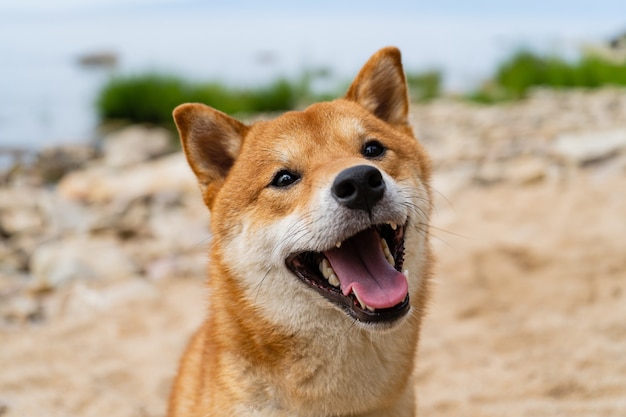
(449, 232)
(258, 287)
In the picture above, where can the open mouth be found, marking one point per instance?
(361, 274)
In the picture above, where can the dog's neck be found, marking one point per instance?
(272, 360)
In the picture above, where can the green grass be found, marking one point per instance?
(424, 86)
(150, 98)
(525, 70)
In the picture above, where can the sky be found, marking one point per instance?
(44, 96)
(441, 33)
(561, 9)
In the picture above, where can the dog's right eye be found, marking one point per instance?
(284, 178)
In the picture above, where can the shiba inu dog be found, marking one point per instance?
(320, 258)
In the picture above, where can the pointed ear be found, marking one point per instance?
(211, 141)
(381, 88)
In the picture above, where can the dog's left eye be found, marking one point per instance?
(284, 178)
(373, 149)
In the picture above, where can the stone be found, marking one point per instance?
(136, 144)
(166, 226)
(178, 266)
(13, 256)
(54, 162)
(101, 185)
(21, 220)
(56, 263)
(525, 170)
(85, 298)
(21, 309)
(589, 147)
(489, 173)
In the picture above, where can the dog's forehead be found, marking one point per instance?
(321, 126)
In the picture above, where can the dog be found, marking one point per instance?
(320, 258)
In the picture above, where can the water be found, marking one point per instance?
(47, 98)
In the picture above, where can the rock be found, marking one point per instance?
(489, 173)
(53, 163)
(590, 147)
(11, 281)
(167, 225)
(525, 170)
(85, 298)
(103, 185)
(13, 197)
(56, 263)
(21, 220)
(181, 266)
(136, 144)
(21, 309)
(14, 257)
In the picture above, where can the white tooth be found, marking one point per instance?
(324, 267)
(406, 274)
(333, 280)
(328, 272)
(359, 299)
(363, 305)
(394, 226)
(338, 245)
(387, 252)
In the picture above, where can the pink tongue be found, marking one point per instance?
(361, 266)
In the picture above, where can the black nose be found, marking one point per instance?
(359, 187)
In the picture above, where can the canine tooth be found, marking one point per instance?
(391, 260)
(394, 226)
(338, 245)
(406, 274)
(333, 280)
(359, 299)
(363, 305)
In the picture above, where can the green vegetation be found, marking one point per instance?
(525, 70)
(424, 86)
(150, 98)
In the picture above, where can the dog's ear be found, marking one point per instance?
(381, 88)
(211, 141)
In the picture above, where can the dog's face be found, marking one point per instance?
(321, 213)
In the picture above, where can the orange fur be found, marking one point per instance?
(271, 345)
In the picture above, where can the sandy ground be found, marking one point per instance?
(529, 313)
(528, 317)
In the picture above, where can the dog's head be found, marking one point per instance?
(322, 212)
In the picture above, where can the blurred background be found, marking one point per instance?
(58, 55)
(103, 234)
